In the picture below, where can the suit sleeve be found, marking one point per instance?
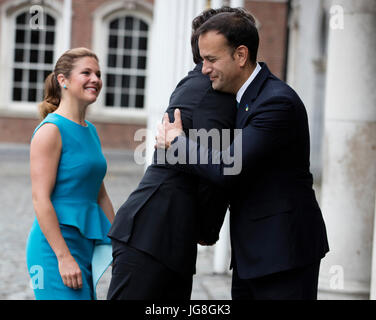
(218, 112)
(212, 207)
(264, 137)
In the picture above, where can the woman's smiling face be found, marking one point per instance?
(84, 82)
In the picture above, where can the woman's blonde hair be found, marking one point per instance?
(52, 89)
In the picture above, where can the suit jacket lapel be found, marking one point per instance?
(250, 94)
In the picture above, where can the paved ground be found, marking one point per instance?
(16, 216)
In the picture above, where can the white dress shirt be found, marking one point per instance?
(247, 83)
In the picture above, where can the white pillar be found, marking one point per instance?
(221, 261)
(349, 173)
(67, 25)
(237, 3)
(305, 70)
(169, 58)
(215, 4)
(373, 272)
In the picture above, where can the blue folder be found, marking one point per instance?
(102, 259)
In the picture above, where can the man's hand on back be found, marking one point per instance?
(168, 131)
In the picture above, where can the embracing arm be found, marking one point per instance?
(45, 150)
(264, 136)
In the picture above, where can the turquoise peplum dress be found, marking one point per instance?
(83, 223)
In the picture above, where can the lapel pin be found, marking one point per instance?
(246, 107)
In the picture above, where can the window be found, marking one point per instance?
(33, 58)
(126, 62)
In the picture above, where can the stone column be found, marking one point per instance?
(67, 22)
(306, 71)
(373, 272)
(222, 249)
(237, 3)
(169, 58)
(349, 167)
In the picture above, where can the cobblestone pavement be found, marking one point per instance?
(16, 217)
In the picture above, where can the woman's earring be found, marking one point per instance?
(64, 86)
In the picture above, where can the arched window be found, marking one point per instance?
(33, 57)
(126, 62)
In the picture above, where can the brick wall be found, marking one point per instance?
(272, 17)
(118, 136)
(16, 130)
(82, 23)
(112, 135)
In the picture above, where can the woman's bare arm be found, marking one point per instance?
(45, 150)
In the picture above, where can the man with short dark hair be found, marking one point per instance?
(278, 235)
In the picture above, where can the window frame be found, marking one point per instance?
(7, 47)
(101, 31)
(24, 66)
(132, 72)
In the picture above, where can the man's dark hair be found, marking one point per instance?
(205, 16)
(238, 28)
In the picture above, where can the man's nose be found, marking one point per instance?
(206, 68)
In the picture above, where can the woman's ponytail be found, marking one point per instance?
(52, 96)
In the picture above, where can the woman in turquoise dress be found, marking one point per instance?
(67, 167)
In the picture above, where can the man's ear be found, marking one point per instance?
(241, 53)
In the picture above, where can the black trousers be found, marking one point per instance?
(136, 275)
(295, 284)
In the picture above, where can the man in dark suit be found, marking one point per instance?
(278, 236)
(155, 232)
